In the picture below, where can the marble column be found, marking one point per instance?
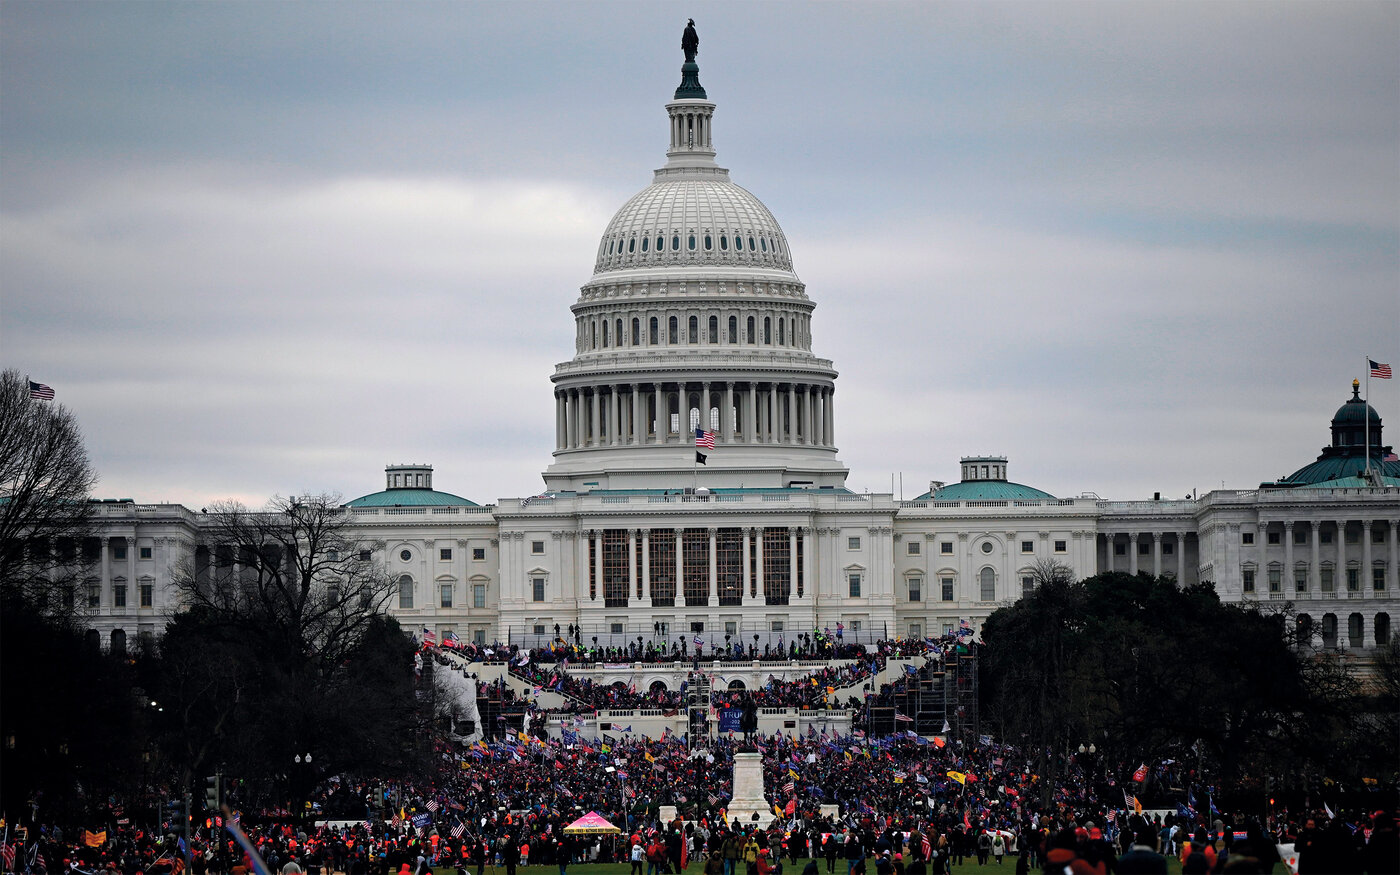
(638, 420)
(634, 583)
(714, 569)
(1314, 572)
(646, 562)
(1133, 553)
(1339, 577)
(750, 415)
(596, 417)
(1156, 554)
(680, 566)
(1288, 555)
(745, 565)
(792, 564)
(758, 558)
(727, 415)
(598, 563)
(658, 421)
(1365, 576)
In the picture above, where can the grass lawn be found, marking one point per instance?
(1008, 865)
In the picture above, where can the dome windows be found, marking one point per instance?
(660, 243)
(723, 243)
(645, 241)
(676, 243)
(763, 241)
(692, 242)
(709, 244)
(752, 248)
(632, 245)
(610, 247)
(738, 243)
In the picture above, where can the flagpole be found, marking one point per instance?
(1366, 420)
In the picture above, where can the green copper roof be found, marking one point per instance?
(1337, 466)
(1354, 483)
(986, 490)
(410, 498)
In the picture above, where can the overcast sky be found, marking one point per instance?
(265, 248)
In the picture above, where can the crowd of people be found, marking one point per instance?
(904, 804)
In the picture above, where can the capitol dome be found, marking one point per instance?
(699, 220)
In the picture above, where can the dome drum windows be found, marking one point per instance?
(632, 245)
(676, 243)
(723, 243)
(709, 243)
(645, 241)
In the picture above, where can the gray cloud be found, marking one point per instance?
(264, 248)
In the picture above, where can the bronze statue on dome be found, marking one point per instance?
(690, 41)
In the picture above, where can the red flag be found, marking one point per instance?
(1141, 774)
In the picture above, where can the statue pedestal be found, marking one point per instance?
(748, 793)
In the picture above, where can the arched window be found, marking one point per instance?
(750, 331)
(636, 331)
(763, 243)
(645, 242)
(782, 332)
(406, 593)
(119, 641)
(709, 244)
(673, 334)
(733, 329)
(987, 579)
(605, 334)
(767, 330)
(737, 684)
(714, 329)
(660, 242)
(593, 343)
(1329, 630)
(617, 333)
(752, 247)
(1382, 627)
(723, 243)
(676, 242)
(693, 335)
(632, 245)
(692, 242)
(1355, 630)
(610, 247)
(738, 243)
(654, 339)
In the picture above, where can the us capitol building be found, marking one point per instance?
(694, 317)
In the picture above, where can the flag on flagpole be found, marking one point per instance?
(704, 439)
(40, 392)
(429, 637)
(1378, 370)
(699, 458)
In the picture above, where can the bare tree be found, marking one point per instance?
(294, 574)
(46, 533)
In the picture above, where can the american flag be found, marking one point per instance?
(1378, 370)
(40, 392)
(925, 845)
(8, 852)
(789, 787)
(429, 637)
(458, 830)
(431, 805)
(704, 439)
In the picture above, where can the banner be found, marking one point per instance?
(422, 820)
(729, 719)
(94, 839)
(958, 776)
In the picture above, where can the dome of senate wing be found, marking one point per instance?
(703, 221)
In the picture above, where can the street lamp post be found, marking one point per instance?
(303, 764)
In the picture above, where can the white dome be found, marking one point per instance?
(690, 221)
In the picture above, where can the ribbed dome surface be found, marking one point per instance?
(1355, 411)
(693, 221)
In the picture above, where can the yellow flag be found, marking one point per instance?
(1137, 806)
(958, 776)
(650, 758)
(776, 810)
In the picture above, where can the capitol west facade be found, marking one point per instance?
(694, 317)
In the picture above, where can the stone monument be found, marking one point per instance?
(748, 797)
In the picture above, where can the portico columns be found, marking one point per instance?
(1156, 554)
(1181, 557)
(714, 570)
(1314, 573)
(746, 565)
(751, 414)
(660, 414)
(638, 429)
(646, 560)
(680, 567)
(1365, 575)
(792, 564)
(727, 414)
(1132, 553)
(1288, 570)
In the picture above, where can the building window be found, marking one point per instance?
(446, 595)
(405, 555)
(916, 589)
(445, 554)
(946, 583)
(1326, 536)
(1328, 584)
(365, 555)
(147, 594)
(714, 329)
(1247, 576)
(1120, 549)
(479, 595)
(946, 548)
(478, 554)
(987, 581)
(1382, 626)
(119, 551)
(1246, 537)
(1275, 538)
(731, 627)
(1300, 580)
(1027, 584)
(693, 332)
(333, 595)
(537, 548)
(653, 332)
(1353, 537)
(853, 581)
(1275, 580)
(537, 585)
(986, 546)
(916, 630)
(1378, 537)
(144, 552)
(749, 332)
(734, 329)
(1354, 630)
(1027, 546)
(94, 595)
(1300, 536)
(1378, 578)
(913, 548)
(538, 628)
(855, 625)
(119, 593)
(1144, 547)
(405, 593)
(853, 543)
(479, 637)
(1168, 548)
(776, 626)
(1060, 547)
(1353, 580)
